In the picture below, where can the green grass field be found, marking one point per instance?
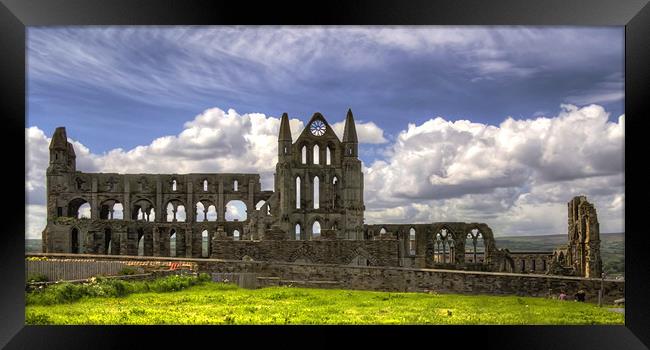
(218, 303)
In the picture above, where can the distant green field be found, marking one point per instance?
(218, 303)
(612, 248)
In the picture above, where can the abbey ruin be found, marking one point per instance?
(314, 214)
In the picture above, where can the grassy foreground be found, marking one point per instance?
(217, 303)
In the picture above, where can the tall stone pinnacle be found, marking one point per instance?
(350, 131)
(285, 129)
(59, 139)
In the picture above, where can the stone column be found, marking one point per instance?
(94, 210)
(221, 210)
(124, 246)
(160, 211)
(156, 241)
(126, 206)
(190, 215)
(188, 242)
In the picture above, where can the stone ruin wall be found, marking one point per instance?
(341, 252)
(266, 232)
(398, 279)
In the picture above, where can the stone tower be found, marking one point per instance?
(318, 181)
(61, 170)
(583, 251)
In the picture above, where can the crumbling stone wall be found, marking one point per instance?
(270, 231)
(581, 256)
(344, 252)
(385, 278)
(144, 199)
(452, 245)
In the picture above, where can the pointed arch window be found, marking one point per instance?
(298, 192)
(173, 185)
(297, 232)
(205, 185)
(304, 154)
(316, 152)
(412, 241)
(235, 186)
(316, 193)
(328, 156)
(315, 229)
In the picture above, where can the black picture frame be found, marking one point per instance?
(15, 15)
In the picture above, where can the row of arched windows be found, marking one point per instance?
(236, 210)
(315, 230)
(316, 155)
(316, 188)
(235, 185)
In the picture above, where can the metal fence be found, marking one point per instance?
(72, 270)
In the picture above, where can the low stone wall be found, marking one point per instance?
(342, 252)
(384, 278)
(424, 280)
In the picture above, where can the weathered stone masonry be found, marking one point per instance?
(387, 278)
(314, 214)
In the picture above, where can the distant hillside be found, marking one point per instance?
(612, 248)
(33, 246)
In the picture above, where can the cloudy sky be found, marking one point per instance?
(501, 125)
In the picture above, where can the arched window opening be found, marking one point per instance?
(205, 185)
(316, 193)
(171, 213)
(328, 156)
(235, 186)
(172, 242)
(335, 180)
(444, 247)
(316, 154)
(75, 242)
(79, 208)
(298, 193)
(201, 214)
(142, 211)
(297, 235)
(382, 231)
(84, 211)
(181, 215)
(304, 154)
(118, 211)
(235, 235)
(236, 210)
(205, 244)
(412, 241)
(474, 247)
(315, 230)
(211, 214)
(523, 265)
(173, 185)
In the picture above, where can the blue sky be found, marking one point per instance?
(124, 87)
